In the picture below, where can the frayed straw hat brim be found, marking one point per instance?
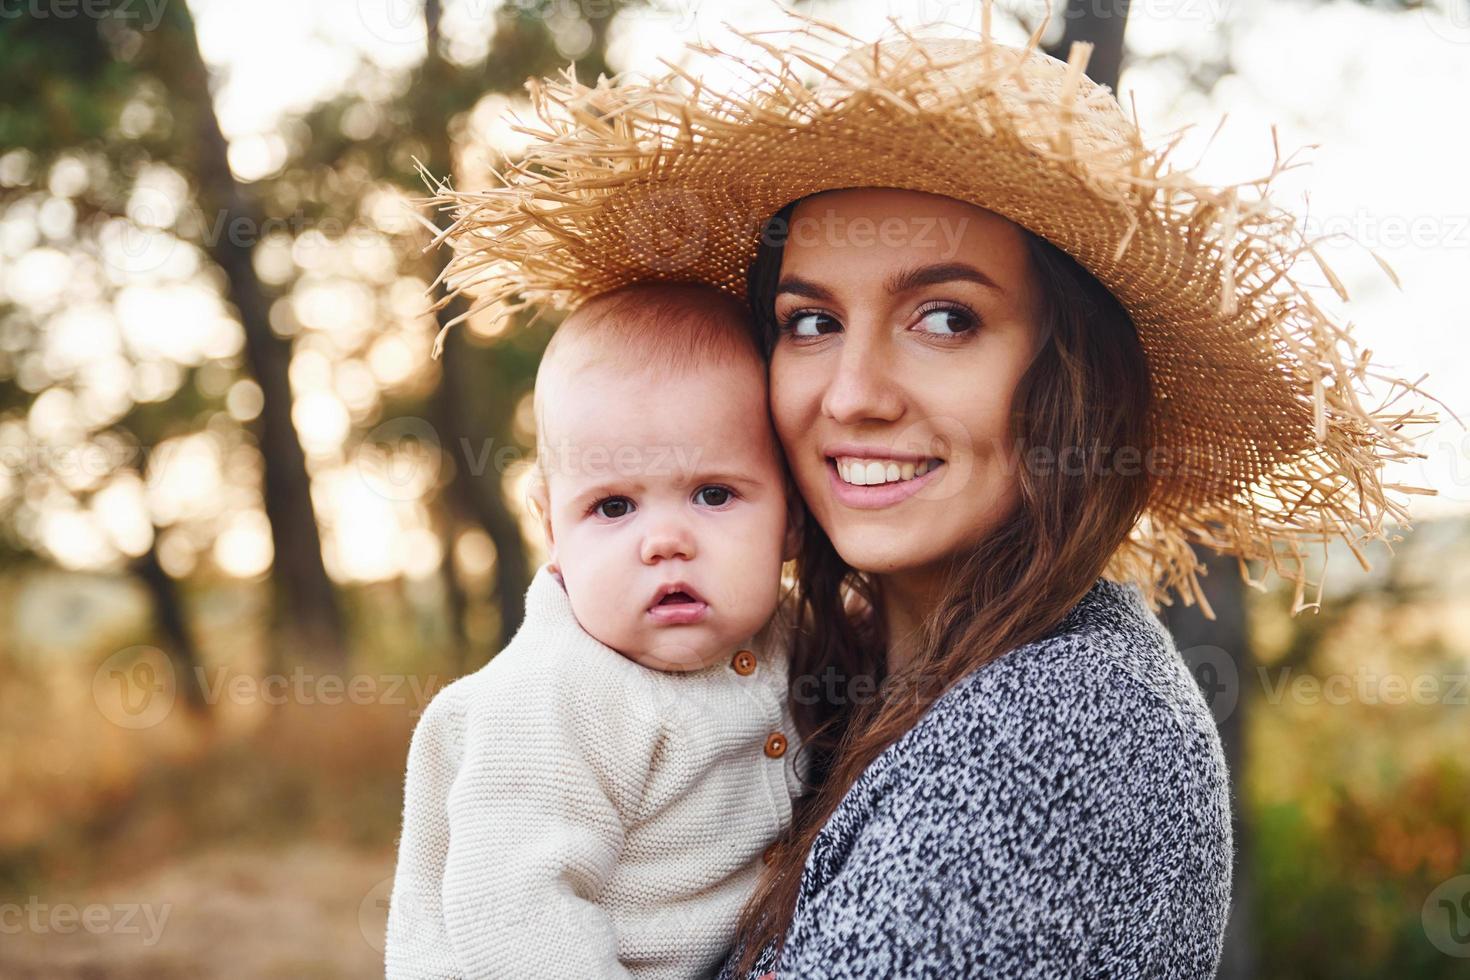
(1261, 400)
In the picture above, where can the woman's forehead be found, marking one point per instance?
(886, 227)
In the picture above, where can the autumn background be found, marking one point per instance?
(248, 526)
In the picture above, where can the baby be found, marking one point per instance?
(596, 801)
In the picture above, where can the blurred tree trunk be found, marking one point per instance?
(168, 616)
(1219, 655)
(1219, 649)
(1102, 25)
(477, 497)
(308, 620)
(455, 509)
(455, 596)
(470, 497)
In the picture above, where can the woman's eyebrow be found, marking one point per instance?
(798, 286)
(902, 282)
(930, 275)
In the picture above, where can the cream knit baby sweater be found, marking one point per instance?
(569, 813)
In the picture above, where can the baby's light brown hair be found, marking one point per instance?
(648, 330)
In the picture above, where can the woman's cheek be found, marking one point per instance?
(794, 409)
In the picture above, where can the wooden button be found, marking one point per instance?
(776, 745)
(744, 663)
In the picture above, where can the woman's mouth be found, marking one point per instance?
(871, 482)
(861, 472)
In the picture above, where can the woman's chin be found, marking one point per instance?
(889, 551)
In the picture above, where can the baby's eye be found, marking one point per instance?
(613, 507)
(713, 496)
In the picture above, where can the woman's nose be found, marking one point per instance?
(669, 539)
(860, 388)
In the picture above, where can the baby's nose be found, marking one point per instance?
(669, 540)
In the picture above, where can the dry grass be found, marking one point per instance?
(259, 843)
(306, 910)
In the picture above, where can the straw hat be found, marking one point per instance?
(1260, 396)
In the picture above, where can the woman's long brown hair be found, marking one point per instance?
(1087, 390)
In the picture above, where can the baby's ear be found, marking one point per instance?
(538, 501)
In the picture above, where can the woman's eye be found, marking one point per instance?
(613, 507)
(947, 321)
(713, 496)
(808, 324)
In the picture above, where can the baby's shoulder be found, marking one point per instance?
(557, 672)
(531, 692)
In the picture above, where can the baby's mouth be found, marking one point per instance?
(675, 595)
(677, 604)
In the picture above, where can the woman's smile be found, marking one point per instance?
(868, 482)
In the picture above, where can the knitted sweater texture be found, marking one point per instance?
(1061, 812)
(569, 813)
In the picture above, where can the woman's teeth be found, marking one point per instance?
(871, 472)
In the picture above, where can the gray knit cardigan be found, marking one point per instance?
(1063, 811)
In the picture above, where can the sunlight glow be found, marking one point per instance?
(244, 548)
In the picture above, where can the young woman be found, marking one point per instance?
(1020, 367)
(1066, 809)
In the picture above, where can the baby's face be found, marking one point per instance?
(664, 485)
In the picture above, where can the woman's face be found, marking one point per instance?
(906, 322)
